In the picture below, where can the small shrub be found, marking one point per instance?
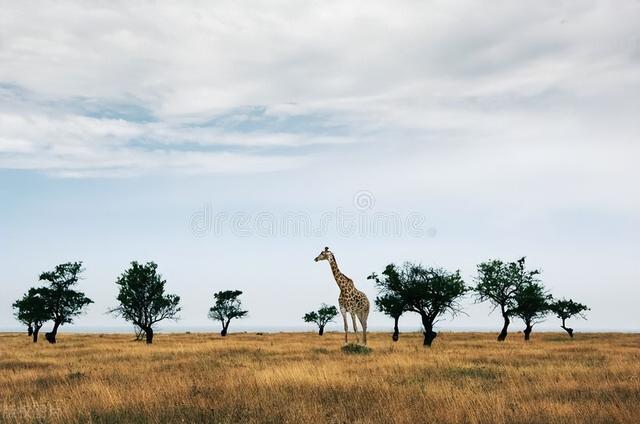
(356, 349)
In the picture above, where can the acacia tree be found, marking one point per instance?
(63, 302)
(32, 310)
(227, 307)
(565, 309)
(532, 305)
(429, 292)
(321, 317)
(142, 300)
(499, 283)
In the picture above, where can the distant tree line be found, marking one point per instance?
(432, 293)
(141, 301)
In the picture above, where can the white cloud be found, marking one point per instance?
(389, 72)
(76, 146)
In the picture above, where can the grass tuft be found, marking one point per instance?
(356, 349)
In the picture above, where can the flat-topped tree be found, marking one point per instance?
(321, 317)
(429, 292)
(32, 310)
(63, 302)
(532, 305)
(498, 282)
(142, 300)
(565, 309)
(227, 307)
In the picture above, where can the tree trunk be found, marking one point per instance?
(225, 327)
(503, 333)
(36, 330)
(396, 331)
(149, 335)
(429, 337)
(527, 331)
(321, 330)
(30, 330)
(429, 334)
(567, 329)
(51, 337)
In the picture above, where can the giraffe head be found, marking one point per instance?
(324, 255)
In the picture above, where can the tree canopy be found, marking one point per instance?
(390, 301)
(429, 292)
(532, 305)
(393, 305)
(33, 310)
(499, 282)
(227, 306)
(321, 317)
(64, 303)
(142, 299)
(567, 308)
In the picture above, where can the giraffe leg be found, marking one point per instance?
(362, 316)
(355, 327)
(346, 326)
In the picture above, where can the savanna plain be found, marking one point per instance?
(302, 377)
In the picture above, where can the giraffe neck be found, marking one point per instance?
(342, 280)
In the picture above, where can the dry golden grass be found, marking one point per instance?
(297, 378)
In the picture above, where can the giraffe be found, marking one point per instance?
(351, 300)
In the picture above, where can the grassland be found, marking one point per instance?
(297, 378)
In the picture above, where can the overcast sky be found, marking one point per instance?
(439, 132)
